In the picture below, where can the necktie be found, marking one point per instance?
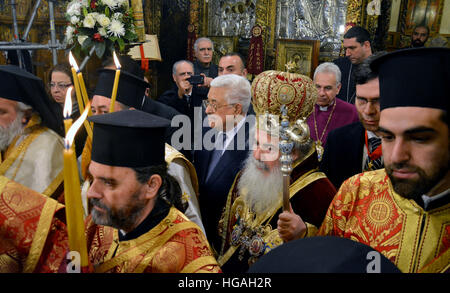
(374, 143)
(217, 153)
(188, 100)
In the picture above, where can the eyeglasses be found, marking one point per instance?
(60, 86)
(213, 105)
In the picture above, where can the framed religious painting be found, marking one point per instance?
(428, 12)
(297, 56)
(222, 46)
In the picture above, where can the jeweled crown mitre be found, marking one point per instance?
(272, 89)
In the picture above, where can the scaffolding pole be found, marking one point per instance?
(20, 43)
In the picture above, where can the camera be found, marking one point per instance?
(196, 79)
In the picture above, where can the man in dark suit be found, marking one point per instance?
(355, 148)
(358, 48)
(225, 147)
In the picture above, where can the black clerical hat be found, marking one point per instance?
(19, 85)
(323, 254)
(414, 78)
(130, 91)
(128, 138)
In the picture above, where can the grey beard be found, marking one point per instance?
(8, 133)
(261, 193)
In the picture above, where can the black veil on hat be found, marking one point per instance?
(129, 138)
(19, 85)
(417, 77)
(323, 254)
(130, 90)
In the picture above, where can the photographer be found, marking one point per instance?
(182, 97)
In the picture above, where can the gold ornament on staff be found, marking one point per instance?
(72, 194)
(289, 134)
(116, 83)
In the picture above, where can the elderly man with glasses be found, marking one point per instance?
(225, 146)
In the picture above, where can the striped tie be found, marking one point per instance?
(376, 164)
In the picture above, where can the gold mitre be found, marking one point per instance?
(271, 89)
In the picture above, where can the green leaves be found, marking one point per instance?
(100, 49)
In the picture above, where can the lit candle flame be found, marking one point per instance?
(75, 126)
(68, 104)
(116, 61)
(73, 63)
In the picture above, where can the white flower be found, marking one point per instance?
(74, 20)
(81, 39)
(73, 9)
(112, 4)
(103, 20)
(117, 15)
(116, 28)
(102, 32)
(89, 21)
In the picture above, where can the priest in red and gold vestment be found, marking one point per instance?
(136, 223)
(403, 211)
(253, 222)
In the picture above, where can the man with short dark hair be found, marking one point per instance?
(403, 211)
(419, 36)
(232, 63)
(357, 46)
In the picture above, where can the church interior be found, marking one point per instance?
(300, 33)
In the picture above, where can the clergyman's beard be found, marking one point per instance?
(414, 189)
(417, 43)
(260, 192)
(8, 133)
(124, 218)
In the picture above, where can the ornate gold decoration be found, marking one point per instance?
(266, 17)
(271, 89)
(354, 10)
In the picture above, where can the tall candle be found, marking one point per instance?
(116, 83)
(74, 68)
(82, 97)
(72, 195)
(67, 110)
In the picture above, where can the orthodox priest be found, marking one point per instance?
(30, 129)
(131, 94)
(403, 211)
(253, 222)
(136, 223)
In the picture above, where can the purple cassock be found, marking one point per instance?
(325, 119)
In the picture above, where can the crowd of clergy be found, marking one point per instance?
(227, 172)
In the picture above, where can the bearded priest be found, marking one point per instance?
(253, 222)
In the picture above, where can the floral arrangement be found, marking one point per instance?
(102, 24)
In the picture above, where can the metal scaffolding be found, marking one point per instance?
(20, 43)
